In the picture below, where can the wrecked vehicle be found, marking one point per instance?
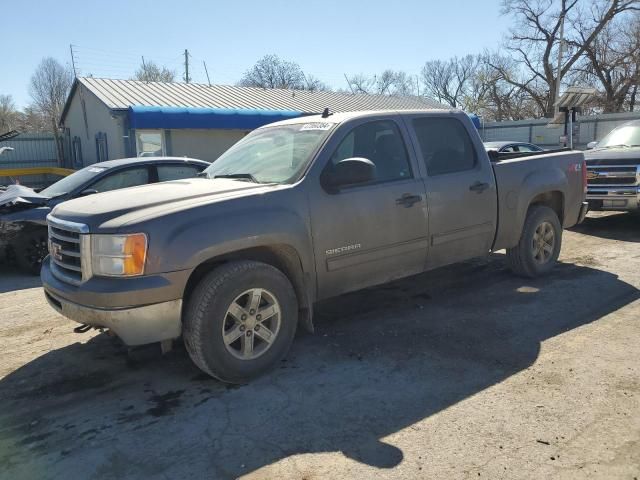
(295, 212)
(23, 212)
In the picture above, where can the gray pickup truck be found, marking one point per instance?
(613, 170)
(296, 212)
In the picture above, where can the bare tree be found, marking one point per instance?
(389, 82)
(450, 81)
(32, 120)
(273, 72)
(534, 41)
(9, 116)
(361, 83)
(612, 64)
(49, 88)
(151, 72)
(314, 84)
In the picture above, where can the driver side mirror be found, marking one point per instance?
(350, 171)
(88, 191)
(591, 145)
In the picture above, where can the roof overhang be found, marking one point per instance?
(143, 117)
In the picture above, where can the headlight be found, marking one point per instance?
(118, 255)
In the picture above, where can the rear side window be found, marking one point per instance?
(445, 144)
(380, 142)
(130, 177)
(176, 172)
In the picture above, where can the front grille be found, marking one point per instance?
(612, 181)
(612, 175)
(67, 242)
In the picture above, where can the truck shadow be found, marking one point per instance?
(12, 279)
(615, 226)
(381, 360)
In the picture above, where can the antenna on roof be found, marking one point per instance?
(326, 113)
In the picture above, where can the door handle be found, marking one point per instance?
(408, 199)
(479, 187)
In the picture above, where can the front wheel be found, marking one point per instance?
(30, 250)
(540, 242)
(240, 320)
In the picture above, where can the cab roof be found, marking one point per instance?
(341, 117)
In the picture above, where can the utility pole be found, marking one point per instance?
(186, 66)
(348, 83)
(73, 60)
(559, 72)
(206, 71)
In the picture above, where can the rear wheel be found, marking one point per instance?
(540, 243)
(240, 320)
(30, 250)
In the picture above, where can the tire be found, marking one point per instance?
(209, 325)
(30, 250)
(526, 259)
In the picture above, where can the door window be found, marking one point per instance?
(130, 177)
(176, 172)
(150, 143)
(380, 142)
(527, 148)
(445, 144)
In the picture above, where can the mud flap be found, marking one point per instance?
(305, 318)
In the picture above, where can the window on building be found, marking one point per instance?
(150, 143)
(102, 148)
(76, 150)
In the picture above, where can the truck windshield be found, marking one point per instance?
(271, 155)
(625, 136)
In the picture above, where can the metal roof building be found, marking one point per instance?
(106, 118)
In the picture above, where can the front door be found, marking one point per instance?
(372, 233)
(461, 191)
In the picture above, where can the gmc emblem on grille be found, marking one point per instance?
(591, 175)
(56, 251)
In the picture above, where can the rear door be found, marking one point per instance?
(461, 193)
(372, 233)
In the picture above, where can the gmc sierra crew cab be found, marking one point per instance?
(296, 212)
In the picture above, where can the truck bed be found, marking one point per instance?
(520, 178)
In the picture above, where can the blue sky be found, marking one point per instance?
(327, 38)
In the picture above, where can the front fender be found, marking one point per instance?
(203, 237)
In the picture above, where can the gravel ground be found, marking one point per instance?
(465, 372)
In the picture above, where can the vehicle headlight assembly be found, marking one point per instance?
(118, 255)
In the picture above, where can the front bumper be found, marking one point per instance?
(613, 197)
(146, 310)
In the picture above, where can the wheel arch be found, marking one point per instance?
(281, 256)
(553, 199)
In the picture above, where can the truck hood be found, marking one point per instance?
(111, 210)
(613, 156)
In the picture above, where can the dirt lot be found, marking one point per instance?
(465, 372)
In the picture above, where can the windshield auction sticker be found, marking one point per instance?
(315, 126)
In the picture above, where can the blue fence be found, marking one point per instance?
(29, 150)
